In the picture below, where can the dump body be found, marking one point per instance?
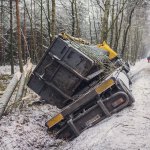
(64, 72)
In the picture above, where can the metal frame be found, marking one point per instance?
(99, 108)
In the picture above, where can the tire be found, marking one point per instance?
(122, 87)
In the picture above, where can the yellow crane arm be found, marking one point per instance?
(105, 46)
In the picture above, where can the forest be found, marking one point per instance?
(74, 74)
(27, 27)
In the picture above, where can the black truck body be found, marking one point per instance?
(81, 84)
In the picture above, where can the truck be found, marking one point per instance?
(88, 83)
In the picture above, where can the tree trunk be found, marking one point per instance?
(2, 55)
(127, 29)
(77, 20)
(1, 52)
(41, 49)
(32, 53)
(11, 38)
(104, 32)
(8, 93)
(116, 29)
(118, 32)
(34, 34)
(19, 36)
(94, 25)
(73, 17)
(90, 27)
(25, 35)
(49, 25)
(53, 20)
(112, 27)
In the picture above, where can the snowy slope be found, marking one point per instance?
(129, 129)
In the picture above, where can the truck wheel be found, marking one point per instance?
(126, 90)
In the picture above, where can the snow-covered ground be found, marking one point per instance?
(7, 70)
(128, 129)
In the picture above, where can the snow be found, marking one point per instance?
(140, 65)
(6, 69)
(128, 129)
(26, 129)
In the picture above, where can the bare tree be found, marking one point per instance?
(73, 16)
(104, 31)
(128, 27)
(2, 52)
(77, 19)
(11, 39)
(53, 25)
(19, 36)
(49, 18)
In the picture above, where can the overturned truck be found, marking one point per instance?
(88, 83)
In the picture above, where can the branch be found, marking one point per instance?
(98, 3)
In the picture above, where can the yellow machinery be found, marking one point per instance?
(105, 46)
